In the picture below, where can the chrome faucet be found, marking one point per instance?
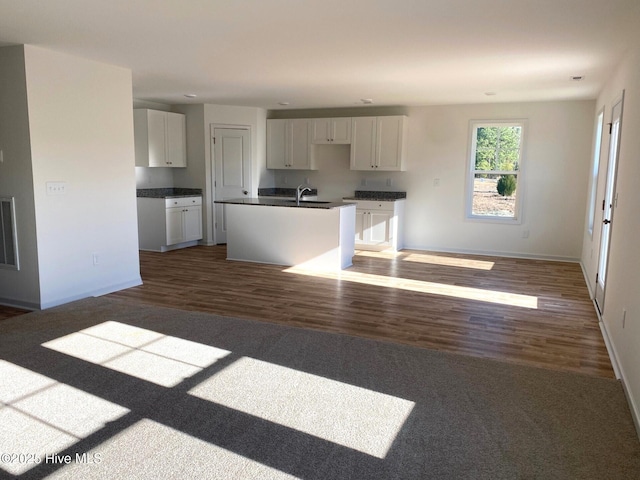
(300, 191)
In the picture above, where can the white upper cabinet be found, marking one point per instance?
(289, 144)
(378, 143)
(277, 156)
(363, 143)
(160, 138)
(331, 131)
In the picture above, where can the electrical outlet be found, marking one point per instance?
(363, 182)
(525, 234)
(96, 259)
(436, 182)
(389, 182)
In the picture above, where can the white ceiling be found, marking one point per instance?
(332, 53)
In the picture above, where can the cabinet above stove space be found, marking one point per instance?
(376, 143)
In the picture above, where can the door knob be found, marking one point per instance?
(245, 192)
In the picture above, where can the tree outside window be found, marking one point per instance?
(495, 170)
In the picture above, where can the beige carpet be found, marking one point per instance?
(119, 390)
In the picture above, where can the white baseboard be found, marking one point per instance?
(92, 293)
(8, 302)
(620, 375)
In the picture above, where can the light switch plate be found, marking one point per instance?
(56, 188)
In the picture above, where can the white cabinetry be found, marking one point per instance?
(378, 143)
(289, 144)
(160, 138)
(331, 131)
(167, 224)
(379, 225)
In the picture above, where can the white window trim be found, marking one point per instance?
(471, 171)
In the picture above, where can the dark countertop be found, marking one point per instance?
(169, 192)
(377, 196)
(285, 203)
(284, 192)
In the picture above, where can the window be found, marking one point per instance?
(495, 163)
(595, 167)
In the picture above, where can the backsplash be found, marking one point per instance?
(283, 192)
(167, 192)
(364, 194)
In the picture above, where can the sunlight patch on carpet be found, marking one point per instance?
(141, 353)
(351, 416)
(153, 450)
(40, 416)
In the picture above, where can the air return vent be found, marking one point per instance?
(8, 238)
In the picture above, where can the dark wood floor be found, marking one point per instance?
(528, 312)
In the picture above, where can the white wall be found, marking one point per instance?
(554, 180)
(623, 275)
(20, 288)
(81, 129)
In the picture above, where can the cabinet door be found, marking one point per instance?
(379, 228)
(363, 143)
(320, 131)
(176, 140)
(389, 142)
(156, 130)
(175, 225)
(341, 130)
(299, 140)
(192, 223)
(276, 144)
(361, 222)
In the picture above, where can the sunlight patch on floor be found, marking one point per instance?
(344, 414)
(431, 288)
(40, 416)
(145, 354)
(443, 260)
(448, 261)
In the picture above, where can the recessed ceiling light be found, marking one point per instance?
(490, 94)
(284, 104)
(190, 95)
(577, 78)
(367, 101)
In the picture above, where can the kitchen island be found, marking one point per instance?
(308, 234)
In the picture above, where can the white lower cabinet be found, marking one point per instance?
(379, 224)
(167, 224)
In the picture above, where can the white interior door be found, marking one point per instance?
(608, 204)
(232, 172)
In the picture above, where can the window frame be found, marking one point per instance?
(595, 170)
(471, 171)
